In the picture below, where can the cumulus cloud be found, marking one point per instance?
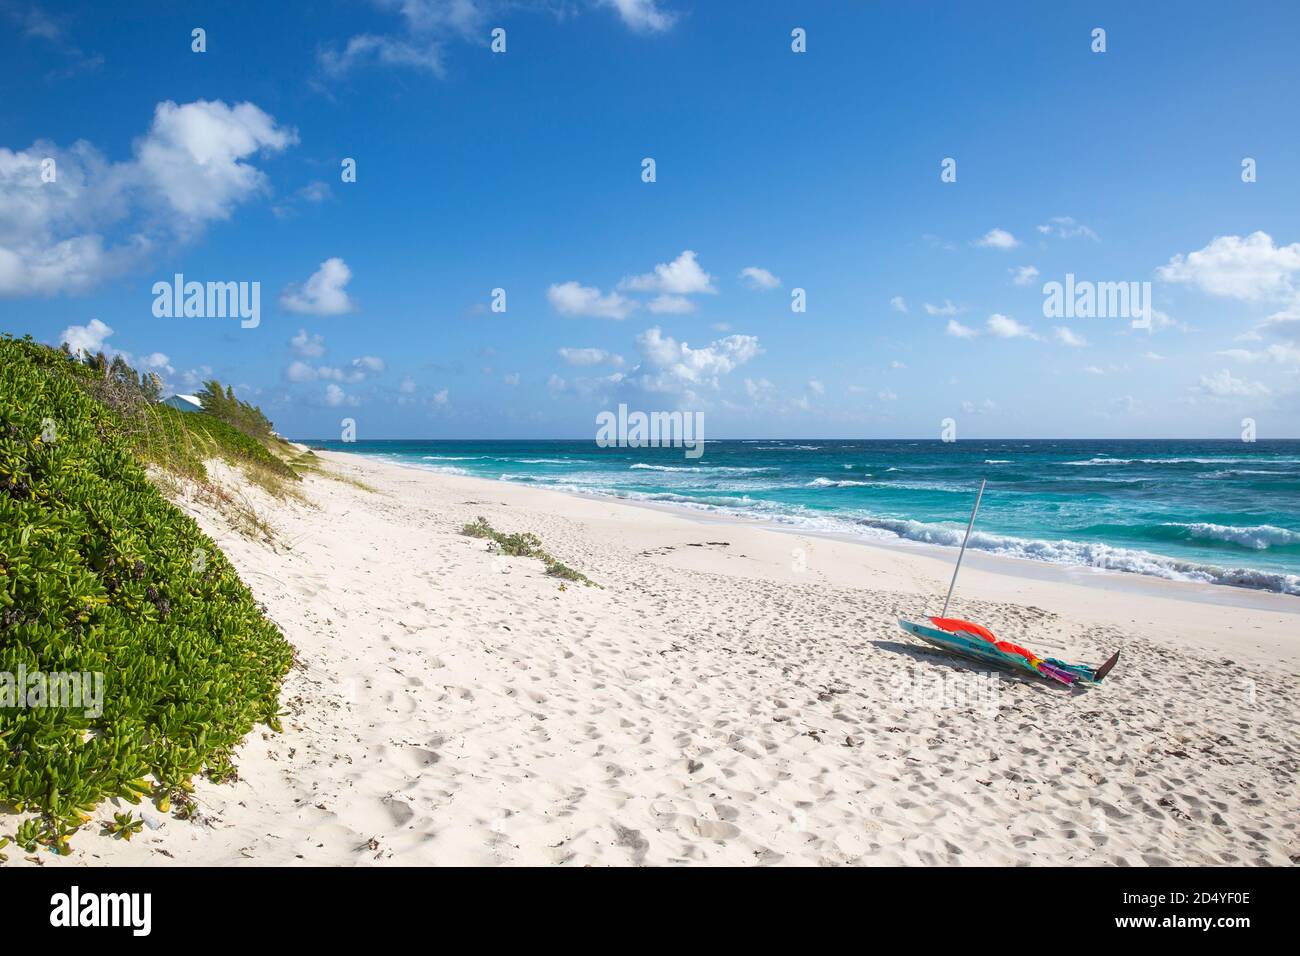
(674, 367)
(946, 309)
(1024, 275)
(959, 331)
(194, 155)
(1005, 327)
(305, 345)
(758, 278)
(155, 362)
(299, 371)
(324, 293)
(898, 304)
(1223, 384)
(682, 276)
(335, 396)
(671, 304)
(1250, 268)
(997, 239)
(98, 218)
(570, 298)
(644, 16)
(369, 364)
(89, 338)
(1066, 337)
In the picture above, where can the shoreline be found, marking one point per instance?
(714, 700)
(1151, 585)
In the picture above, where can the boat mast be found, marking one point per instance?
(962, 552)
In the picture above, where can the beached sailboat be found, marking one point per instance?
(978, 642)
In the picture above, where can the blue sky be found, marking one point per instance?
(523, 171)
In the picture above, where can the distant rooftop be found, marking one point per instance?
(186, 403)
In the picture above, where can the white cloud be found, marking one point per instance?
(194, 155)
(570, 298)
(324, 293)
(682, 276)
(590, 356)
(817, 386)
(419, 41)
(757, 278)
(997, 239)
(1283, 353)
(315, 191)
(1250, 269)
(1005, 327)
(155, 361)
(99, 219)
(946, 309)
(407, 386)
(887, 395)
(511, 378)
(1023, 275)
(89, 338)
(898, 304)
(368, 48)
(671, 304)
(1064, 227)
(1067, 337)
(441, 397)
(359, 368)
(335, 396)
(300, 372)
(757, 389)
(643, 16)
(305, 345)
(959, 331)
(674, 367)
(897, 364)
(1223, 384)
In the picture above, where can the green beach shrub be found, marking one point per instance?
(523, 545)
(99, 574)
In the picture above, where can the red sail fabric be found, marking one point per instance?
(954, 625)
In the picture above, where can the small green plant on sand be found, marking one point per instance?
(524, 545)
(124, 826)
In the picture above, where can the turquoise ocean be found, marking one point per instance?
(1222, 512)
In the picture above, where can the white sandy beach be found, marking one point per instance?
(731, 694)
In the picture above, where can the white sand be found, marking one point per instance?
(738, 703)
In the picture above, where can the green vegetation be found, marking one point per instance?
(225, 407)
(99, 574)
(523, 545)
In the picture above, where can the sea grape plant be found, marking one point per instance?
(97, 576)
